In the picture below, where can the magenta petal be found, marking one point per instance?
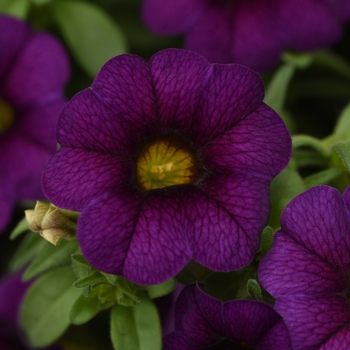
(338, 341)
(258, 143)
(125, 84)
(73, 176)
(313, 319)
(290, 268)
(322, 213)
(227, 219)
(7, 202)
(276, 338)
(13, 35)
(41, 79)
(179, 77)
(173, 17)
(159, 247)
(231, 93)
(175, 341)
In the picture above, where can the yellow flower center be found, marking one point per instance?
(7, 116)
(164, 163)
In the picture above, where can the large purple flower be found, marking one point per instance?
(203, 322)
(167, 161)
(308, 269)
(33, 71)
(254, 32)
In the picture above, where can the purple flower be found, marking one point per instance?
(167, 161)
(308, 269)
(203, 322)
(33, 71)
(254, 32)
(12, 291)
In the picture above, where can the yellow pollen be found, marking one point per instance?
(165, 163)
(7, 116)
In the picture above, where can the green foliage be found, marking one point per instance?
(16, 8)
(136, 327)
(322, 177)
(90, 33)
(266, 239)
(159, 290)
(51, 256)
(254, 289)
(46, 307)
(20, 228)
(343, 149)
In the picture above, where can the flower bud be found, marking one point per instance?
(51, 222)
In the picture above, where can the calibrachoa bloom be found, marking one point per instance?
(167, 161)
(33, 71)
(12, 291)
(308, 269)
(203, 322)
(253, 33)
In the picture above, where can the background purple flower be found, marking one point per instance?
(308, 269)
(203, 322)
(214, 113)
(253, 33)
(33, 71)
(12, 291)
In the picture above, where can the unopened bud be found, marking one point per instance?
(51, 222)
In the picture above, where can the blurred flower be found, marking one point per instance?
(167, 161)
(203, 322)
(33, 72)
(51, 222)
(12, 291)
(308, 269)
(253, 33)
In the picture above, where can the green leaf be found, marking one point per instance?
(342, 129)
(85, 308)
(81, 269)
(277, 88)
(299, 60)
(322, 177)
(333, 62)
(94, 278)
(40, 2)
(50, 257)
(159, 290)
(136, 327)
(21, 227)
(16, 8)
(343, 149)
(45, 310)
(284, 187)
(91, 34)
(29, 248)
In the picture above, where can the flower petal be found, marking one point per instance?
(319, 220)
(179, 77)
(159, 248)
(276, 338)
(125, 85)
(231, 93)
(172, 17)
(7, 203)
(39, 73)
(13, 35)
(226, 219)
(259, 143)
(73, 176)
(313, 319)
(339, 341)
(290, 268)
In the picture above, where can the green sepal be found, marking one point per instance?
(29, 248)
(159, 290)
(111, 279)
(44, 315)
(126, 293)
(106, 296)
(92, 279)
(322, 177)
(16, 8)
(254, 289)
(51, 257)
(266, 239)
(20, 228)
(136, 327)
(90, 33)
(81, 269)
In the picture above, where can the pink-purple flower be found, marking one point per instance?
(254, 32)
(168, 161)
(203, 322)
(33, 72)
(308, 269)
